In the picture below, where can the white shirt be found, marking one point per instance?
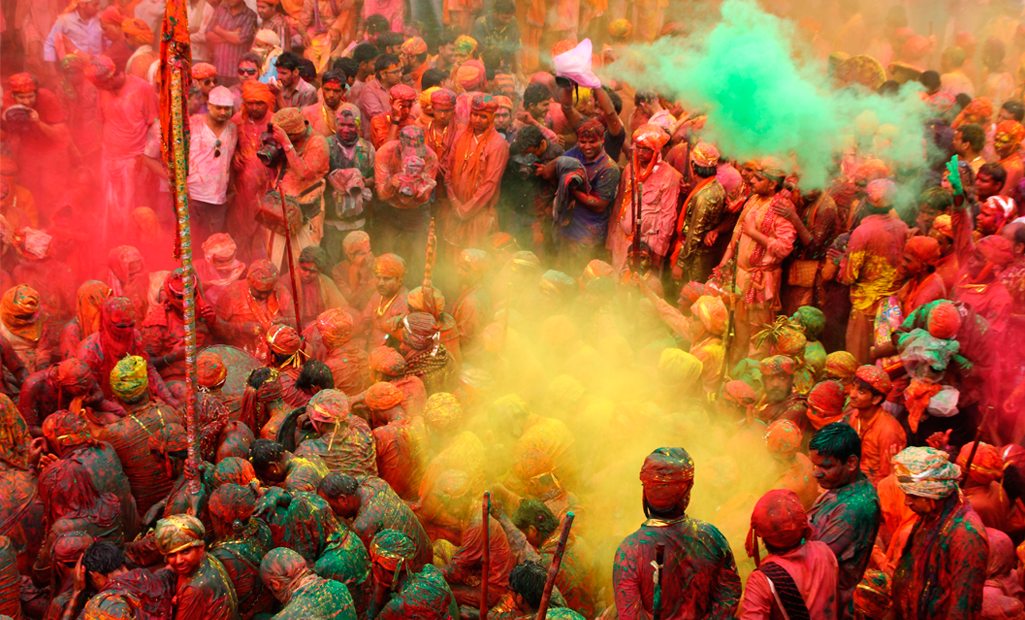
(208, 175)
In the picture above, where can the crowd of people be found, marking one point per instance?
(821, 385)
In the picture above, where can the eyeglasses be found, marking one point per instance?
(217, 148)
(242, 71)
(210, 81)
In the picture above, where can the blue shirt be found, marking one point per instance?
(585, 226)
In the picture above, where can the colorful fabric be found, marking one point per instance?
(944, 320)
(876, 378)
(291, 120)
(210, 370)
(777, 365)
(178, 532)
(667, 476)
(335, 326)
(22, 83)
(783, 439)
(328, 407)
(129, 378)
(14, 438)
(705, 155)
(998, 250)
(389, 265)
(391, 549)
(19, 311)
(987, 466)
(712, 313)
(826, 403)
(230, 503)
(470, 75)
(1009, 132)
(926, 472)
(925, 249)
(780, 520)
(383, 396)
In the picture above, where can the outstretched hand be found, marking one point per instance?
(955, 177)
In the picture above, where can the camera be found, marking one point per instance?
(19, 119)
(271, 153)
(523, 165)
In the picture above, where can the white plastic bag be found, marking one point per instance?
(576, 65)
(943, 404)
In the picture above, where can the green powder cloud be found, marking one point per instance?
(761, 100)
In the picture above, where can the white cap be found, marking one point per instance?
(221, 96)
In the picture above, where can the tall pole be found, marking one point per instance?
(175, 72)
(486, 560)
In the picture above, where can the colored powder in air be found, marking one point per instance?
(762, 98)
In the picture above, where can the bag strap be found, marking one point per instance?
(788, 597)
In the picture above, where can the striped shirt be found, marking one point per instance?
(226, 55)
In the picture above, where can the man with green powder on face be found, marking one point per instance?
(846, 517)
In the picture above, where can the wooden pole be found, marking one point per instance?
(291, 261)
(486, 562)
(553, 570)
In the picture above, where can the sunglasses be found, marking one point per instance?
(210, 81)
(247, 71)
(217, 148)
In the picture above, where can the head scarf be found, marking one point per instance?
(221, 96)
(869, 171)
(667, 476)
(263, 275)
(255, 90)
(284, 567)
(841, 365)
(979, 111)
(355, 241)
(64, 429)
(22, 83)
(944, 225)
(997, 250)
(100, 69)
(443, 99)
(705, 155)
(924, 249)
(211, 370)
(335, 327)
(926, 472)
(421, 331)
(944, 320)
(129, 378)
(70, 546)
(414, 46)
(177, 533)
(234, 470)
(470, 75)
(67, 492)
(881, 193)
(465, 45)
(484, 103)
(783, 439)
(876, 378)
(387, 361)
(415, 301)
(383, 396)
(712, 313)
(477, 261)
(443, 412)
(791, 342)
(1009, 131)
(872, 594)
(826, 401)
(422, 598)
(424, 99)
(138, 33)
(987, 466)
(91, 296)
(503, 102)
(391, 549)
(678, 368)
(14, 437)
(203, 70)
(389, 266)
(1004, 205)
(740, 393)
(620, 28)
(291, 120)
(283, 340)
(112, 16)
(19, 310)
(780, 519)
(328, 407)
(232, 504)
(402, 92)
(269, 37)
(812, 320)
(776, 365)
(350, 112)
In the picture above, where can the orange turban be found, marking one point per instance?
(335, 327)
(470, 75)
(211, 370)
(383, 396)
(137, 32)
(390, 265)
(944, 320)
(826, 401)
(22, 83)
(19, 310)
(254, 90)
(841, 365)
(987, 466)
(203, 70)
(925, 249)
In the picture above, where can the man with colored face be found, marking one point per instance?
(343, 212)
(248, 308)
(201, 585)
(252, 178)
(782, 402)
(1007, 141)
(846, 517)
(993, 214)
(473, 178)
(163, 331)
(322, 115)
(439, 130)
(39, 136)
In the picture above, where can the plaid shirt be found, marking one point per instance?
(226, 55)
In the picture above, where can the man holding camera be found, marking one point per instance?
(252, 177)
(306, 159)
(34, 118)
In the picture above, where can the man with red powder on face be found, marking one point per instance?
(661, 184)
(252, 177)
(1007, 141)
(473, 178)
(202, 588)
(698, 575)
(440, 132)
(248, 308)
(386, 126)
(163, 331)
(386, 309)
(881, 435)
(993, 214)
(846, 517)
